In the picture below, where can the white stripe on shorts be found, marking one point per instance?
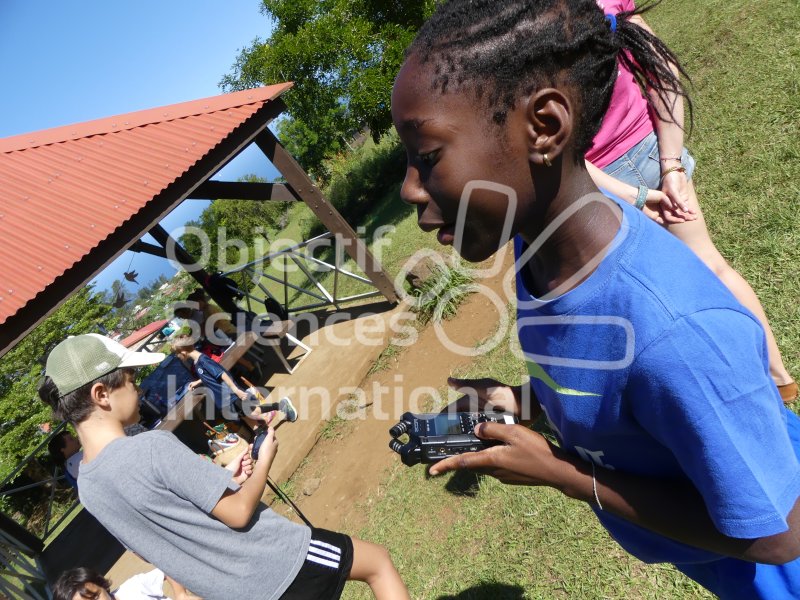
(323, 554)
(322, 561)
(325, 545)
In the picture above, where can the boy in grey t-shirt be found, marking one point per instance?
(186, 515)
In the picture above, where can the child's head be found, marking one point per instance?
(501, 51)
(185, 310)
(88, 369)
(183, 345)
(63, 445)
(511, 92)
(82, 584)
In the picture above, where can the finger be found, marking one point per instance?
(468, 460)
(496, 431)
(671, 218)
(651, 213)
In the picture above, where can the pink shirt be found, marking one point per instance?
(627, 121)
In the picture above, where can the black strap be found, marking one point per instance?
(279, 492)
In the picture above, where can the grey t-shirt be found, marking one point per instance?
(155, 496)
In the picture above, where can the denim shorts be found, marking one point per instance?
(640, 165)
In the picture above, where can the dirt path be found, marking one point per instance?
(350, 460)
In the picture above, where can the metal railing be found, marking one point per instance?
(21, 575)
(51, 483)
(275, 267)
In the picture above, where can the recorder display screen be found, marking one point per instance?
(446, 425)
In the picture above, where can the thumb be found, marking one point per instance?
(495, 431)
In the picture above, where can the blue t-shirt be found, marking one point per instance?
(650, 366)
(210, 373)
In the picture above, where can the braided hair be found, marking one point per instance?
(503, 49)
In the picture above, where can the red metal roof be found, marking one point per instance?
(65, 190)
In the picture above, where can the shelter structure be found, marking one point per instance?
(73, 198)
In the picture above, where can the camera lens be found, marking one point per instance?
(398, 429)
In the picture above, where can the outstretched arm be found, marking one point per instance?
(668, 117)
(673, 509)
(227, 380)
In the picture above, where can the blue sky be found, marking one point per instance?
(69, 61)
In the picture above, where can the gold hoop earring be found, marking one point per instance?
(546, 160)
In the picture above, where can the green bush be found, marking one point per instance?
(359, 178)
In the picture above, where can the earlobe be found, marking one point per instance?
(549, 117)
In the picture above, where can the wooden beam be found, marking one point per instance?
(190, 265)
(302, 186)
(242, 190)
(146, 248)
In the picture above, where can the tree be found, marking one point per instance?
(21, 411)
(342, 56)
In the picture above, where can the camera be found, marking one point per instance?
(433, 437)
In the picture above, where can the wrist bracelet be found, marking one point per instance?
(594, 489)
(680, 169)
(641, 197)
(678, 158)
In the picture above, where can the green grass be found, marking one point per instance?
(440, 295)
(386, 359)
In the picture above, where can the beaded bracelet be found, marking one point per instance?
(680, 169)
(641, 197)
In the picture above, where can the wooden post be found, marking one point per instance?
(301, 185)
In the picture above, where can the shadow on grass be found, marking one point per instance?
(489, 591)
(464, 483)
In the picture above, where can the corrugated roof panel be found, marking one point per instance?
(64, 190)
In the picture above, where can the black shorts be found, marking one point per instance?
(325, 569)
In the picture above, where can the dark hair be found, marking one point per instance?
(56, 445)
(77, 405)
(74, 582)
(522, 45)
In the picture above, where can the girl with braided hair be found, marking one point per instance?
(639, 156)
(651, 375)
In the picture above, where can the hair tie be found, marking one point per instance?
(612, 22)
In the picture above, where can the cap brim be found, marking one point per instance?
(141, 359)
